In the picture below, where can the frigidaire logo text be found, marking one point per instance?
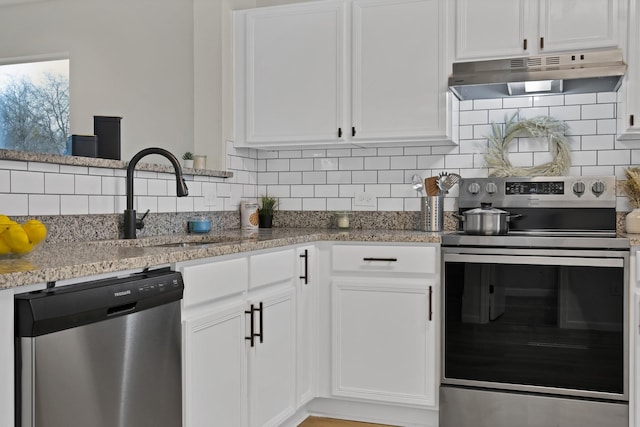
(122, 293)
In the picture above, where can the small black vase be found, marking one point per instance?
(265, 220)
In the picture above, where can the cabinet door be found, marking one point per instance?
(578, 24)
(491, 28)
(289, 71)
(306, 324)
(383, 333)
(272, 363)
(398, 70)
(214, 366)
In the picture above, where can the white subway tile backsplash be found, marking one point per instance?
(55, 183)
(377, 163)
(598, 111)
(614, 157)
(338, 177)
(580, 98)
(325, 164)
(157, 187)
(581, 127)
(351, 163)
(5, 181)
(474, 117)
(314, 177)
(27, 182)
(517, 102)
(291, 178)
(301, 164)
(327, 179)
(102, 205)
(324, 191)
(404, 162)
(43, 167)
(364, 177)
(487, 104)
(74, 205)
(607, 126)
(584, 158)
(548, 100)
(314, 204)
(390, 177)
(14, 204)
(303, 190)
(44, 204)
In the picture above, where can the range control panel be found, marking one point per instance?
(571, 191)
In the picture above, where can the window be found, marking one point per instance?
(34, 106)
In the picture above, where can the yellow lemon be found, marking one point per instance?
(5, 219)
(36, 230)
(16, 238)
(4, 248)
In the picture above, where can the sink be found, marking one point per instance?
(194, 243)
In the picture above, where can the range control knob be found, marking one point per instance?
(598, 188)
(578, 188)
(473, 188)
(491, 187)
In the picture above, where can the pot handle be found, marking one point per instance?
(458, 216)
(514, 216)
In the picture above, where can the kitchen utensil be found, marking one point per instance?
(418, 185)
(449, 181)
(431, 184)
(442, 176)
(486, 220)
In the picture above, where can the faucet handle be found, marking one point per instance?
(140, 222)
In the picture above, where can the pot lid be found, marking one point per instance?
(486, 209)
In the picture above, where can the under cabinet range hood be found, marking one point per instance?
(582, 72)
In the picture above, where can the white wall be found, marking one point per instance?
(128, 58)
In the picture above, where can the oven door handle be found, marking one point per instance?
(536, 260)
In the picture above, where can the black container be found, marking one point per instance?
(82, 145)
(107, 129)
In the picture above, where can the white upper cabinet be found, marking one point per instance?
(629, 93)
(288, 74)
(487, 29)
(341, 73)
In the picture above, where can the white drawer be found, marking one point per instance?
(206, 282)
(386, 259)
(271, 267)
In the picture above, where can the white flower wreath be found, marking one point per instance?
(554, 130)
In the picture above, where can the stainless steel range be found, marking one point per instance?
(535, 321)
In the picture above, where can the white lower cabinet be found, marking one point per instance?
(384, 323)
(239, 340)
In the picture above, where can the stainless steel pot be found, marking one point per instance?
(486, 220)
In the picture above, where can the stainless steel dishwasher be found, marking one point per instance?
(105, 353)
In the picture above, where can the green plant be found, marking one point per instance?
(267, 205)
(187, 156)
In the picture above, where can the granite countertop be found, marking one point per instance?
(59, 261)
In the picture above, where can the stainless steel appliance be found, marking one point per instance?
(104, 353)
(573, 72)
(535, 321)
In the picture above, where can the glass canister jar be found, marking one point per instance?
(249, 215)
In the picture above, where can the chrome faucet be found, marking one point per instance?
(131, 223)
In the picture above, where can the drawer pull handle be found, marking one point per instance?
(251, 328)
(430, 303)
(381, 259)
(306, 266)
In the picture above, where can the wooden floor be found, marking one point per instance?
(331, 422)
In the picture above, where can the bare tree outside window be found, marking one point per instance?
(34, 107)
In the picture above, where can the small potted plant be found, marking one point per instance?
(188, 159)
(265, 211)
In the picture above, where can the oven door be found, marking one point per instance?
(536, 320)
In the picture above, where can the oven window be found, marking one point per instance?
(540, 325)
